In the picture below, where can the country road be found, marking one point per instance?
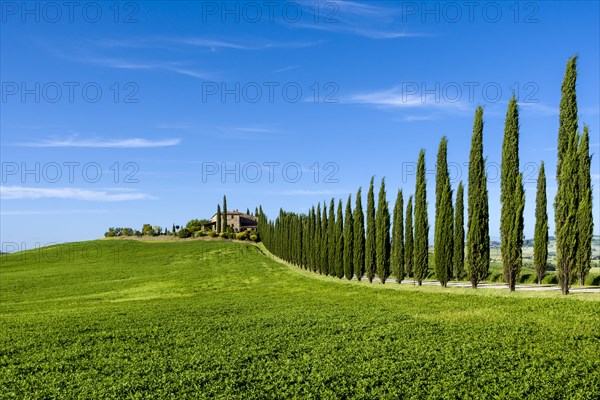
(537, 288)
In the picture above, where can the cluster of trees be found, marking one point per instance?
(225, 230)
(189, 230)
(573, 201)
(338, 241)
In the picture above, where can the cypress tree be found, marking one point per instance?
(421, 235)
(459, 234)
(324, 240)
(478, 237)
(218, 219)
(349, 240)
(568, 119)
(332, 243)
(566, 200)
(382, 239)
(224, 225)
(359, 237)
(408, 237)
(308, 234)
(370, 238)
(303, 235)
(511, 225)
(585, 218)
(339, 241)
(566, 228)
(540, 238)
(318, 240)
(397, 251)
(444, 224)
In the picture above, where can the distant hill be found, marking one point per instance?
(528, 248)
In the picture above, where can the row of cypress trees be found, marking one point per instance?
(340, 243)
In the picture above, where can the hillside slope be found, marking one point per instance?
(200, 319)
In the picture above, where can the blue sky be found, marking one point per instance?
(120, 114)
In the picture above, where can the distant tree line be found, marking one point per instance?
(340, 243)
(194, 228)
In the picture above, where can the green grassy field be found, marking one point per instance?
(206, 319)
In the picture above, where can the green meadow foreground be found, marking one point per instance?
(130, 319)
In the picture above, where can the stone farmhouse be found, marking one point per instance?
(236, 220)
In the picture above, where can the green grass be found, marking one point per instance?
(186, 319)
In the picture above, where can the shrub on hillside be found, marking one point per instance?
(242, 235)
(147, 230)
(115, 232)
(253, 237)
(184, 233)
(212, 234)
(194, 225)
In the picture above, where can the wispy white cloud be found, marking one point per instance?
(167, 42)
(49, 212)
(105, 195)
(248, 132)
(539, 108)
(356, 18)
(364, 9)
(545, 149)
(396, 98)
(415, 118)
(309, 192)
(169, 66)
(134, 143)
(368, 32)
(284, 69)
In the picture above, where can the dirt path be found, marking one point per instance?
(537, 288)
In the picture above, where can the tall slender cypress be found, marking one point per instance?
(444, 218)
(566, 200)
(478, 236)
(397, 251)
(585, 218)
(359, 237)
(317, 240)
(408, 237)
(566, 228)
(339, 241)
(540, 238)
(421, 235)
(458, 259)
(370, 238)
(324, 240)
(307, 240)
(382, 232)
(348, 240)
(568, 119)
(218, 219)
(511, 227)
(331, 233)
(224, 225)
